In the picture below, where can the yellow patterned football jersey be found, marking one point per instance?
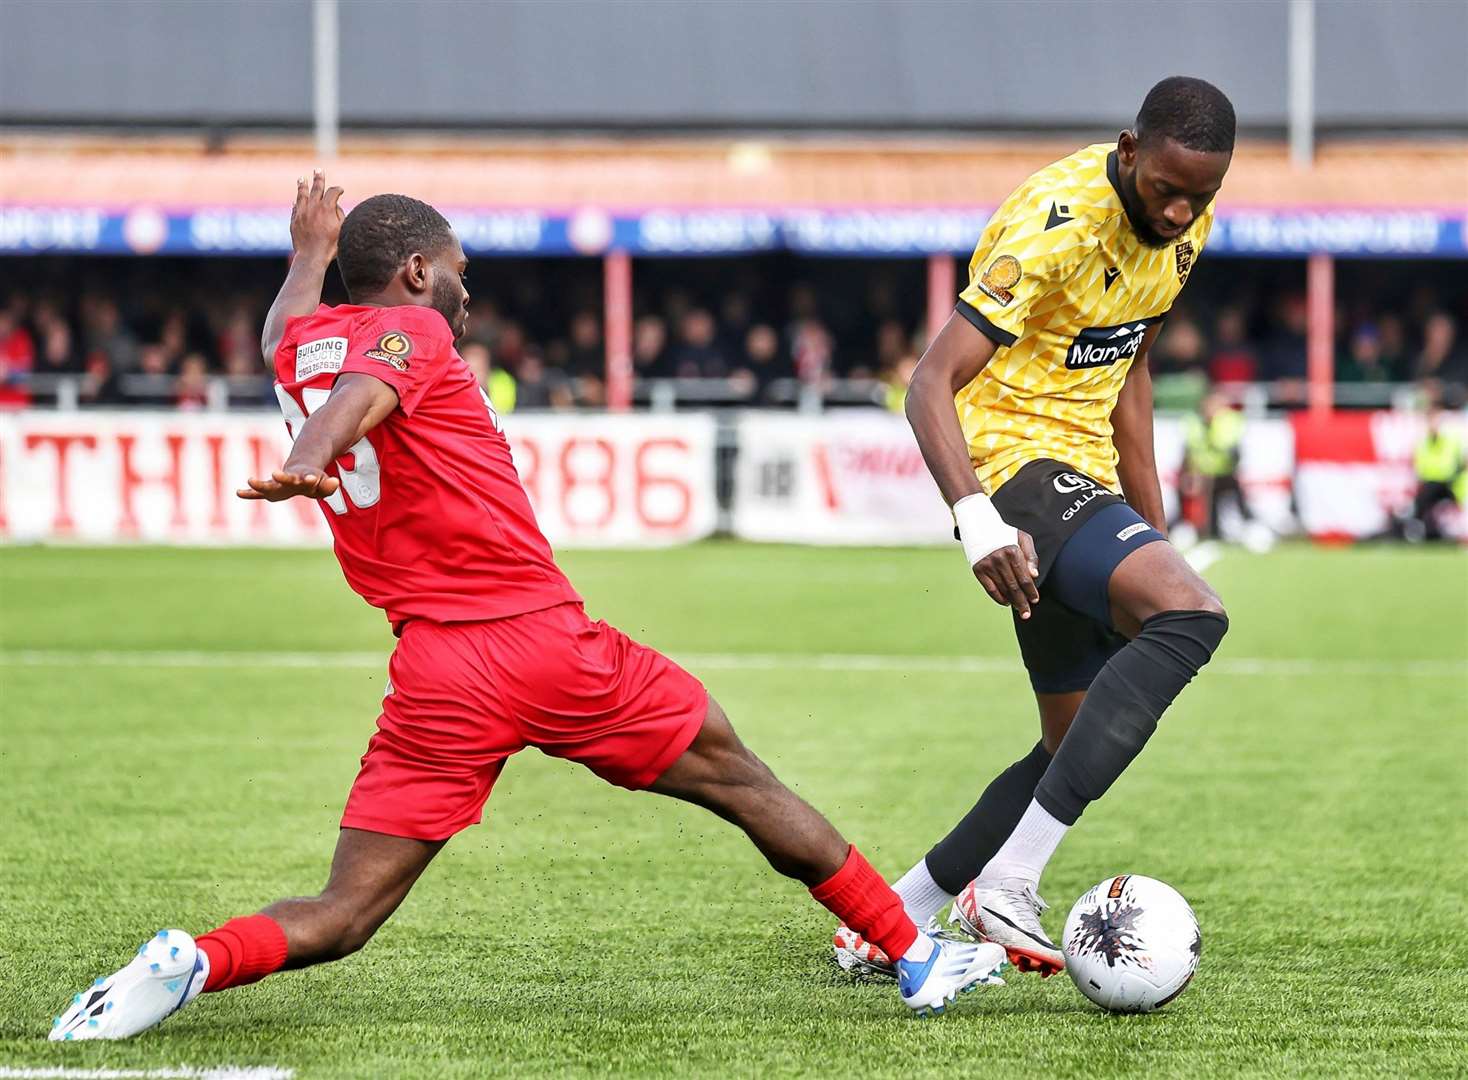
(1064, 286)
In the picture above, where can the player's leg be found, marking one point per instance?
(586, 692)
(1063, 651)
(441, 743)
(721, 774)
(370, 875)
(1175, 622)
(954, 861)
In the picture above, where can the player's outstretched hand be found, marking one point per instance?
(316, 219)
(287, 485)
(1008, 575)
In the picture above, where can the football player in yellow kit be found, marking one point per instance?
(1033, 409)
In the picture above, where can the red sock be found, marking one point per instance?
(242, 951)
(858, 896)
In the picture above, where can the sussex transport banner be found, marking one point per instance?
(905, 232)
(170, 478)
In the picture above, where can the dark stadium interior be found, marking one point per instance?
(737, 325)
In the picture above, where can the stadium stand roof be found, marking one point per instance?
(704, 173)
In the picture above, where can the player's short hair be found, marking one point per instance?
(1195, 114)
(380, 234)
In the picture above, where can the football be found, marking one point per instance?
(1132, 944)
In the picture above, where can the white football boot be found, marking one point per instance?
(1007, 912)
(168, 973)
(858, 956)
(955, 967)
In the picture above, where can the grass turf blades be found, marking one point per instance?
(1313, 817)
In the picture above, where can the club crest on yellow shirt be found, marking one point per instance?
(1002, 276)
(393, 348)
(1184, 252)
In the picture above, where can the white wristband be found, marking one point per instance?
(981, 528)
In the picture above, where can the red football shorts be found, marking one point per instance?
(463, 697)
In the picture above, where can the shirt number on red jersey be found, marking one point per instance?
(494, 417)
(362, 483)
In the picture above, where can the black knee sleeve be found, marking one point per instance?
(957, 859)
(1123, 705)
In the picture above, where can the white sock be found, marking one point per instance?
(921, 948)
(921, 895)
(1028, 848)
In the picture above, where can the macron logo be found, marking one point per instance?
(1101, 346)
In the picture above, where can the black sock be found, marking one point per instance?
(1123, 705)
(958, 857)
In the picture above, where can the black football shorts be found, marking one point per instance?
(1082, 532)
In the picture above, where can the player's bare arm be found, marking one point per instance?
(358, 403)
(1131, 422)
(316, 222)
(952, 361)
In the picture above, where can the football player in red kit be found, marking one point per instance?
(395, 439)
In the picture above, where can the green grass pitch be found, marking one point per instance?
(1307, 795)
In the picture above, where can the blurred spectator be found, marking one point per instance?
(509, 344)
(1213, 438)
(1180, 347)
(99, 382)
(537, 387)
(586, 359)
(762, 363)
(649, 347)
(58, 354)
(496, 382)
(586, 354)
(1392, 333)
(697, 354)
(1362, 359)
(191, 388)
(676, 303)
(804, 302)
(173, 337)
(239, 341)
(106, 337)
(1233, 360)
(152, 360)
(747, 321)
(149, 384)
(898, 377)
(1283, 359)
(811, 347)
(892, 344)
(17, 356)
(1441, 479)
(734, 322)
(1441, 362)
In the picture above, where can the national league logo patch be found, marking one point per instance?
(1002, 276)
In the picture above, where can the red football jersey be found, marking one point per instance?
(430, 521)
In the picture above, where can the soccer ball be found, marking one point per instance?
(1131, 944)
